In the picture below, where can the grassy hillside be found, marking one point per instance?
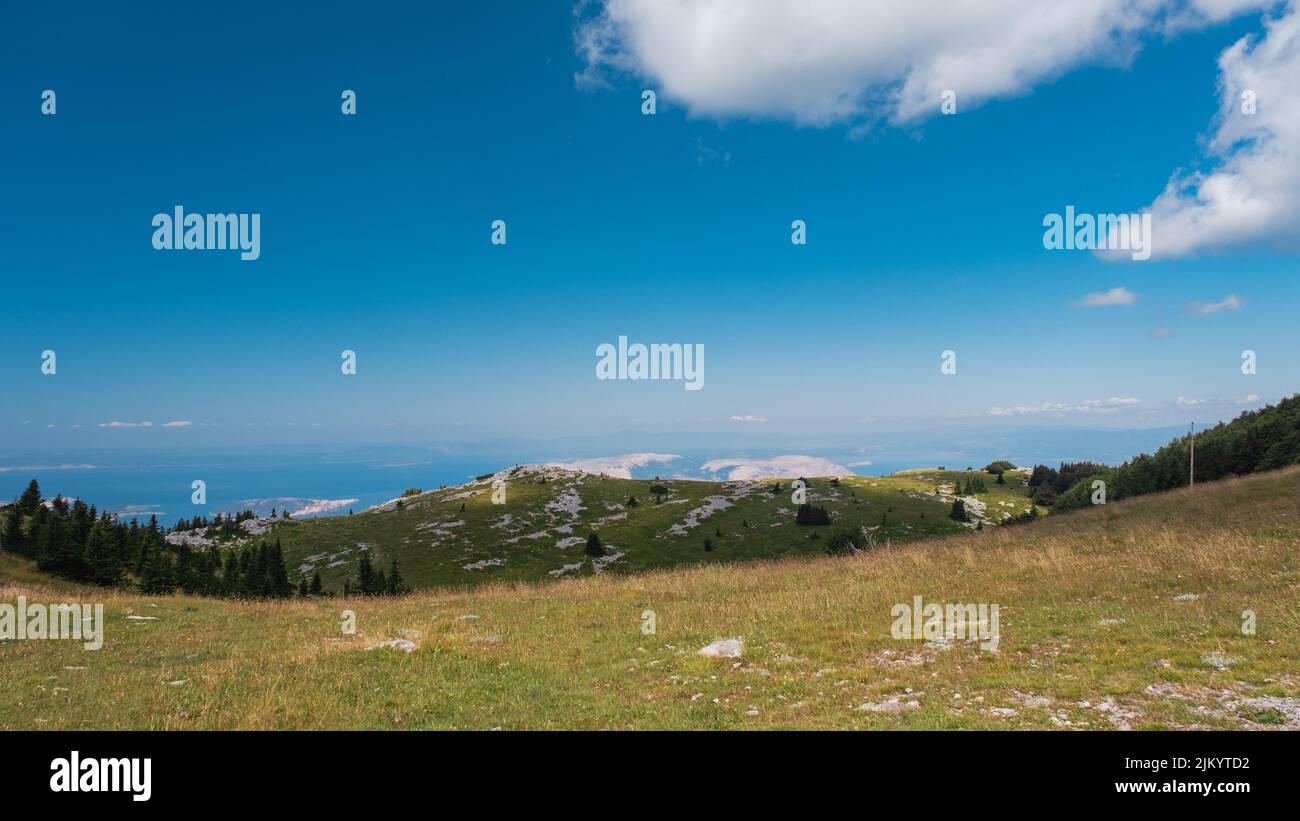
(457, 536)
(1128, 615)
(1266, 438)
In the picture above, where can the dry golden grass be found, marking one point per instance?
(1091, 636)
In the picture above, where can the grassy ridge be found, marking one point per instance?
(1093, 636)
(540, 531)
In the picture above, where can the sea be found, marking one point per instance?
(318, 480)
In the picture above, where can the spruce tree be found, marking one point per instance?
(157, 578)
(279, 577)
(56, 552)
(365, 575)
(315, 583)
(958, 511)
(395, 587)
(102, 559)
(230, 576)
(594, 547)
(12, 537)
(31, 498)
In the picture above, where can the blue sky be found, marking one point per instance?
(924, 231)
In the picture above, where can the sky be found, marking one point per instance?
(924, 230)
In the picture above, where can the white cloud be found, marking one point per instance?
(777, 466)
(1115, 296)
(819, 62)
(179, 423)
(1231, 302)
(1184, 402)
(748, 418)
(705, 154)
(126, 424)
(1249, 399)
(1251, 190)
(857, 62)
(1109, 405)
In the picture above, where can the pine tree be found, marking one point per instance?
(315, 583)
(56, 552)
(31, 498)
(959, 511)
(247, 575)
(279, 577)
(594, 547)
(395, 586)
(708, 544)
(230, 576)
(157, 578)
(12, 538)
(365, 575)
(302, 588)
(102, 558)
(184, 569)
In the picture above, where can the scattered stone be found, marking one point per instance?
(396, 644)
(1000, 712)
(483, 564)
(892, 705)
(1117, 715)
(1285, 712)
(1030, 700)
(1187, 597)
(1218, 661)
(723, 648)
(1163, 689)
(143, 618)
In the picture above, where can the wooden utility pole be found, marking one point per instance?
(1191, 464)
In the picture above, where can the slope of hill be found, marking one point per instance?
(1129, 615)
(459, 536)
(1266, 438)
